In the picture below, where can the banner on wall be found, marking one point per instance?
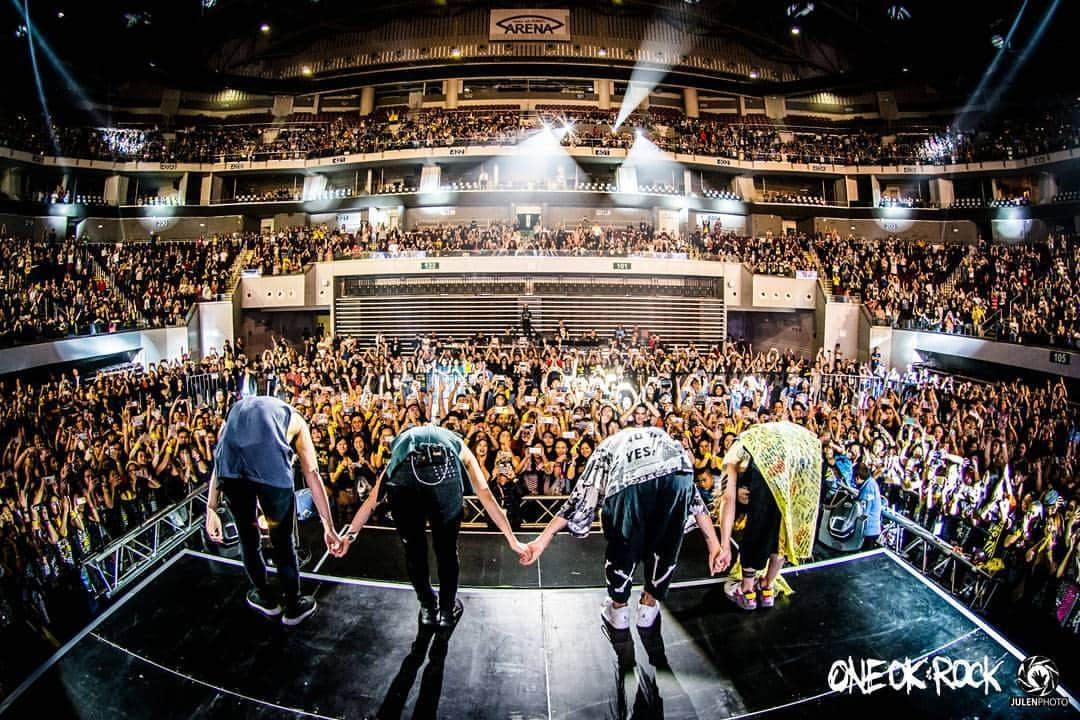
(349, 222)
(530, 25)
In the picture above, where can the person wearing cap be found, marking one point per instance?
(423, 485)
(643, 482)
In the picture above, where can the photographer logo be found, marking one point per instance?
(1038, 677)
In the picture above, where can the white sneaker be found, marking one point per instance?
(647, 614)
(618, 618)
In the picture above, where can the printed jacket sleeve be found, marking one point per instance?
(580, 508)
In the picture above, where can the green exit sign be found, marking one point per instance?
(429, 266)
(621, 266)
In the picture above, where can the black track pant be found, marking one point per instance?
(761, 537)
(645, 523)
(279, 507)
(419, 496)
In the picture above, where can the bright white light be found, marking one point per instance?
(264, 28)
(455, 53)
(754, 74)
(306, 70)
(644, 79)
(602, 52)
(795, 30)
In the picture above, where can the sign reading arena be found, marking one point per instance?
(525, 25)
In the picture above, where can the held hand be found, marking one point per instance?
(213, 526)
(332, 539)
(342, 547)
(719, 559)
(534, 550)
(520, 548)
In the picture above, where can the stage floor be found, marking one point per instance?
(183, 644)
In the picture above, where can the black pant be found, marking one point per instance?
(421, 495)
(279, 507)
(761, 538)
(645, 521)
(869, 542)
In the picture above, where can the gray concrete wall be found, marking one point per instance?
(929, 230)
(167, 228)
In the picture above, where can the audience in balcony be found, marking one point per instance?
(742, 138)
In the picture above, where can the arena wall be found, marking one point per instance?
(934, 231)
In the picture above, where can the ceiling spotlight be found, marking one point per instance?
(898, 12)
(306, 70)
(264, 28)
(60, 14)
(800, 9)
(997, 40)
(20, 31)
(795, 30)
(904, 69)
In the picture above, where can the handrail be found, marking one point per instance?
(123, 560)
(953, 569)
(156, 517)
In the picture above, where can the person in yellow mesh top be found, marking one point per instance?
(782, 462)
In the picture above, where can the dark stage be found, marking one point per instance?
(183, 644)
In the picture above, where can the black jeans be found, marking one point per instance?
(279, 507)
(645, 522)
(422, 495)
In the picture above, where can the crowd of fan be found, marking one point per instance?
(84, 462)
(51, 291)
(1022, 292)
(166, 278)
(399, 128)
(991, 469)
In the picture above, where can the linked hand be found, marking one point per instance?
(342, 548)
(332, 539)
(719, 559)
(520, 548)
(533, 552)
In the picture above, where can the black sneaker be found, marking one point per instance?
(263, 603)
(429, 613)
(448, 619)
(304, 606)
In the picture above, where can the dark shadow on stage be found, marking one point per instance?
(430, 643)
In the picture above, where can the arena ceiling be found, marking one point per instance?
(97, 47)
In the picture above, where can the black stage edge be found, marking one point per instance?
(183, 644)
